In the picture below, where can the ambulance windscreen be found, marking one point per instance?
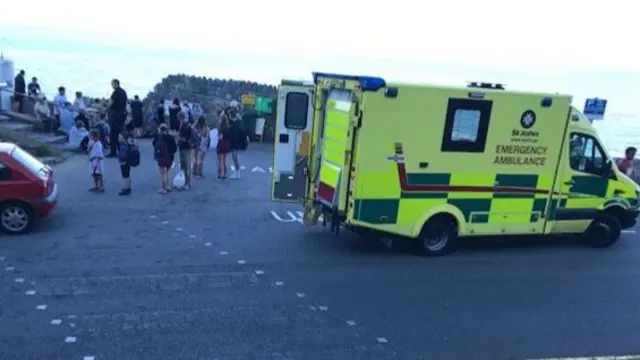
(466, 124)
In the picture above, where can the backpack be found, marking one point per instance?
(161, 149)
(133, 156)
(193, 140)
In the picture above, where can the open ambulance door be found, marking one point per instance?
(294, 122)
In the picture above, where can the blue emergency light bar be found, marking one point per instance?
(367, 83)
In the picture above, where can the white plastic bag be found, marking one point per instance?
(179, 180)
(213, 136)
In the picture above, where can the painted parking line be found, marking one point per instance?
(628, 231)
(252, 169)
(290, 216)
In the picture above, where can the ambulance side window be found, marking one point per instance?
(295, 110)
(466, 125)
(585, 154)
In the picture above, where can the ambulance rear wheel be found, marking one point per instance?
(604, 231)
(437, 237)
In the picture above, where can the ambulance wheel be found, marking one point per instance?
(437, 236)
(604, 231)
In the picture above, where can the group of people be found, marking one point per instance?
(190, 139)
(193, 140)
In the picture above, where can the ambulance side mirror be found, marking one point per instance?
(607, 168)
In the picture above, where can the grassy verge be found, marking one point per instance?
(31, 145)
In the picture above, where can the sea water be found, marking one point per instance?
(87, 67)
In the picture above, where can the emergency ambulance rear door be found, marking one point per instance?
(336, 148)
(294, 121)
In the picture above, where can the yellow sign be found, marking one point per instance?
(248, 99)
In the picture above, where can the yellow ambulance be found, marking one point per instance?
(434, 163)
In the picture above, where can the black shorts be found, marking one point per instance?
(137, 122)
(125, 170)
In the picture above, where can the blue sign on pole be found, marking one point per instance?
(594, 108)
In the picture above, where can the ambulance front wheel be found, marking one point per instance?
(437, 236)
(604, 231)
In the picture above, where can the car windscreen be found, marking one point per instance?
(33, 164)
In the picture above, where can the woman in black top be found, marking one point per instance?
(174, 122)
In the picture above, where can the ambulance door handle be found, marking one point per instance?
(570, 182)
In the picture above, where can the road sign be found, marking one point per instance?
(248, 99)
(594, 108)
(264, 105)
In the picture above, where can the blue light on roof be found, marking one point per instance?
(367, 83)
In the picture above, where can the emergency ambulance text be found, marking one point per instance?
(521, 155)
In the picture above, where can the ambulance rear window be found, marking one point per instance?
(295, 112)
(466, 125)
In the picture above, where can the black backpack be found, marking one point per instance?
(133, 156)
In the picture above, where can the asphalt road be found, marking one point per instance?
(220, 272)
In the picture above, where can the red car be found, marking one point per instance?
(27, 189)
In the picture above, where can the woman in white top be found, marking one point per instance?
(78, 103)
(59, 102)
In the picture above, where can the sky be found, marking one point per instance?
(545, 34)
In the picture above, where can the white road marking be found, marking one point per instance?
(19, 280)
(223, 253)
(351, 323)
(72, 317)
(278, 283)
(178, 229)
(152, 217)
(312, 308)
(277, 217)
(301, 295)
(628, 231)
(270, 169)
(241, 262)
(72, 325)
(41, 307)
(259, 272)
(2, 258)
(165, 222)
(70, 339)
(382, 340)
(192, 236)
(207, 244)
(257, 169)
(10, 268)
(89, 358)
(323, 308)
(620, 357)
(30, 292)
(56, 321)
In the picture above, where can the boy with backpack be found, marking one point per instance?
(186, 139)
(129, 156)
